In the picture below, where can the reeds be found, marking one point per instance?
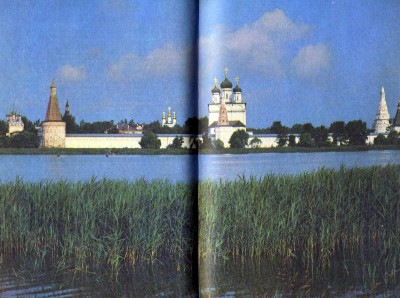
(312, 216)
(97, 222)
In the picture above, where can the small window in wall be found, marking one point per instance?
(226, 95)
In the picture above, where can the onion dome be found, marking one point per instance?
(237, 89)
(215, 89)
(226, 84)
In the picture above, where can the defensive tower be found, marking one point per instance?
(53, 128)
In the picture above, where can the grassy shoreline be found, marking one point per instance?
(312, 216)
(185, 151)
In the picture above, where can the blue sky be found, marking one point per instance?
(298, 61)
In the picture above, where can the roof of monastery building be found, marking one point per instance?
(231, 123)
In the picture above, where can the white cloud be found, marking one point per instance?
(312, 60)
(259, 46)
(161, 62)
(72, 73)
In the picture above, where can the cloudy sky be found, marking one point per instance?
(297, 61)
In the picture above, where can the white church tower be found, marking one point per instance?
(233, 101)
(382, 119)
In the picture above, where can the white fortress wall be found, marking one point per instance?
(371, 137)
(116, 141)
(266, 141)
(269, 140)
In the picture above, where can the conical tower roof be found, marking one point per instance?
(53, 108)
(382, 113)
(382, 118)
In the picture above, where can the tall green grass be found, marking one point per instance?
(312, 216)
(97, 222)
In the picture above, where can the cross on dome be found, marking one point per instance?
(215, 81)
(226, 71)
(237, 81)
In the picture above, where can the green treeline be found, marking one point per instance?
(352, 133)
(192, 125)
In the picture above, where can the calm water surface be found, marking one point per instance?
(230, 166)
(181, 167)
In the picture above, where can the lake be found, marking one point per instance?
(181, 167)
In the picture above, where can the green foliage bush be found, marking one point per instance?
(239, 139)
(177, 143)
(150, 141)
(24, 139)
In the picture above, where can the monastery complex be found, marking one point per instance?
(226, 114)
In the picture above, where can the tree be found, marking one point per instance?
(24, 139)
(356, 132)
(70, 124)
(282, 139)
(306, 140)
(113, 130)
(296, 128)
(338, 132)
(292, 141)
(320, 136)
(203, 125)
(393, 138)
(219, 144)
(207, 143)
(3, 127)
(380, 140)
(255, 142)
(239, 139)
(150, 141)
(308, 128)
(194, 142)
(98, 127)
(28, 125)
(177, 143)
(191, 125)
(278, 128)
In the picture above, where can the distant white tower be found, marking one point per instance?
(382, 119)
